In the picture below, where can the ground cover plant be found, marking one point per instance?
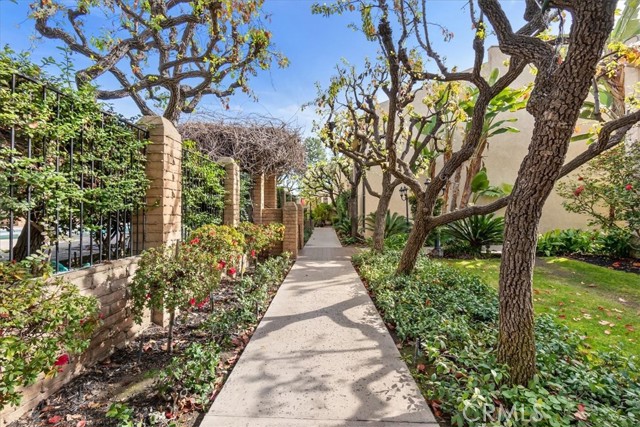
(215, 315)
(454, 315)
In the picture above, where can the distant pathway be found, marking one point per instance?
(321, 355)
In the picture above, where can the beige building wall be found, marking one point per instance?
(505, 153)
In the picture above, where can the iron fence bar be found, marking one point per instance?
(81, 225)
(57, 223)
(70, 231)
(11, 189)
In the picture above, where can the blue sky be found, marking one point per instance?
(313, 44)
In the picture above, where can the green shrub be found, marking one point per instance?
(477, 231)
(615, 242)
(203, 188)
(397, 241)
(322, 213)
(191, 374)
(42, 322)
(258, 237)
(221, 241)
(455, 316)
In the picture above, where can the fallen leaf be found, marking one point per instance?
(81, 423)
(629, 328)
(562, 316)
(55, 419)
(421, 367)
(607, 332)
(622, 300)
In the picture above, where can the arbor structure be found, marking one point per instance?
(565, 63)
(260, 145)
(165, 55)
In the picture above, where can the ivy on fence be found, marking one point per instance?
(69, 170)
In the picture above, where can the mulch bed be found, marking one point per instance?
(122, 378)
(630, 265)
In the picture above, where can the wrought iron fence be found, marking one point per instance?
(72, 178)
(202, 190)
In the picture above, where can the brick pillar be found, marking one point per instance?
(300, 225)
(270, 192)
(164, 171)
(164, 196)
(231, 214)
(257, 198)
(290, 220)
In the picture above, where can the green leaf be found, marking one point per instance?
(480, 181)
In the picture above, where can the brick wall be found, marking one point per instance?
(290, 221)
(108, 283)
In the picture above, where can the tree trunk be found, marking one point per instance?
(353, 203)
(172, 321)
(615, 83)
(381, 212)
(475, 164)
(555, 104)
(456, 190)
(417, 236)
(37, 238)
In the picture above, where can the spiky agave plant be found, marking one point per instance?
(394, 224)
(477, 230)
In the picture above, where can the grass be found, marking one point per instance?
(603, 304)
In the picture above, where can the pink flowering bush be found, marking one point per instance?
(43, 321)
(259, 238)
(608, 191)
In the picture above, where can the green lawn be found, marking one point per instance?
(601, 303)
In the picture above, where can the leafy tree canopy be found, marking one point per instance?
(165, 55)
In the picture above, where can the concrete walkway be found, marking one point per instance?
(321, 355)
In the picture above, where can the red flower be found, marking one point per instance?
(62, 360)
(578, 190)
(231, 271)
(194, 241)
(628, 187)
(148, 296)
(253, 253)
(221, 265)
(203, 302)
(192, 302)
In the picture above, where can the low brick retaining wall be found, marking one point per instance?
(108, 282)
